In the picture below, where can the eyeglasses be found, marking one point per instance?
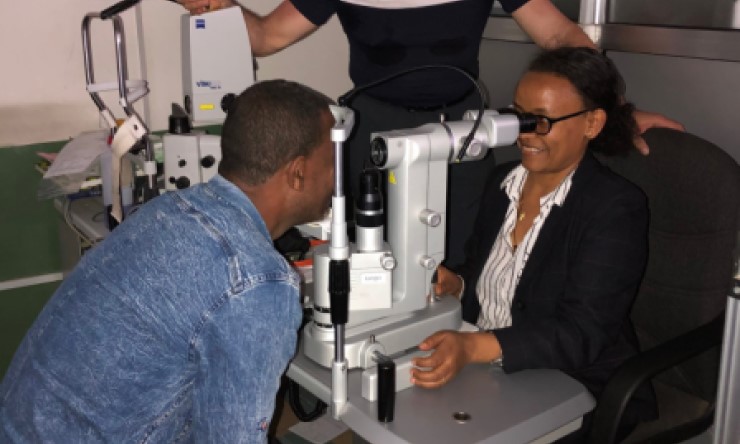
(543, 124)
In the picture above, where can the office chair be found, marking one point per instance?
(693, 190)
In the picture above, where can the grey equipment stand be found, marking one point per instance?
(481, 405)
(726, 425)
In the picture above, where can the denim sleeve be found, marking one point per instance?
(241, 352)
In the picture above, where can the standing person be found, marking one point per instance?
(560, 243)
(179, 325)
(389, 36)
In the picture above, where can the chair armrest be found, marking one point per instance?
(635, 371)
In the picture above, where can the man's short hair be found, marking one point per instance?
(269, 124)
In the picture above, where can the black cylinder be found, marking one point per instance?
(339, 291)
(386, 390)
(369, 204)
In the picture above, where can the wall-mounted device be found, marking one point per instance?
(217, 62)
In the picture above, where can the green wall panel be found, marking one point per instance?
(18, 310)
(29, 243)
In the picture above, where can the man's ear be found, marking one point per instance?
(596, 122)
(294, 173)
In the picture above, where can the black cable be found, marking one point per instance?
(345, 98)
(294, 399)
(117, 8)
(295, 403)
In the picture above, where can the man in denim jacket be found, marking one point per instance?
(179, 325)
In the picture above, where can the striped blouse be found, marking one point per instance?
(501, 273)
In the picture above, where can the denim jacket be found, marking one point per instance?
(176, 328)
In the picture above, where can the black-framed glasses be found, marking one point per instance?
(543, 124)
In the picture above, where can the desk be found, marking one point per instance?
(528, 406)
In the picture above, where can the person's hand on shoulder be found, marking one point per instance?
(646, 120)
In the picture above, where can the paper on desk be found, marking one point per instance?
(76, 161)
(79, 154)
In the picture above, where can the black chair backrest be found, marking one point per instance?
(693, 189)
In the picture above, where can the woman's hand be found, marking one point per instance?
(453, 350)
(448, 283)
(646, 120)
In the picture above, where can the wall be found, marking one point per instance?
(29, 247)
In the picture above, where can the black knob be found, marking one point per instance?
(182, 182)
(182, 162)
(208, 161)
(378, 152)
(227, 101)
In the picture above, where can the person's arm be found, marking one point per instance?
(240, 353)
(646, 120)
(268, 34)
(548, 27)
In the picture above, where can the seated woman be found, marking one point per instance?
(560, 242)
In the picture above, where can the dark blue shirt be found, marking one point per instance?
(386, 37)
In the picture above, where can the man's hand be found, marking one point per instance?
(196, 7)
(646, 120)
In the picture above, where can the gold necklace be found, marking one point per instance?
(519, 213)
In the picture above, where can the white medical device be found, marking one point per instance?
(217, 62)
(217, 67)
(189, 159)
(383, 323)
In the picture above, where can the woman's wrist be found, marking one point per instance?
(483, 347)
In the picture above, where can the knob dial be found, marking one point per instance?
(430, 218)
(428, 262)
(387, 262)
(208, 161)
(378, 152)
(182, 182)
